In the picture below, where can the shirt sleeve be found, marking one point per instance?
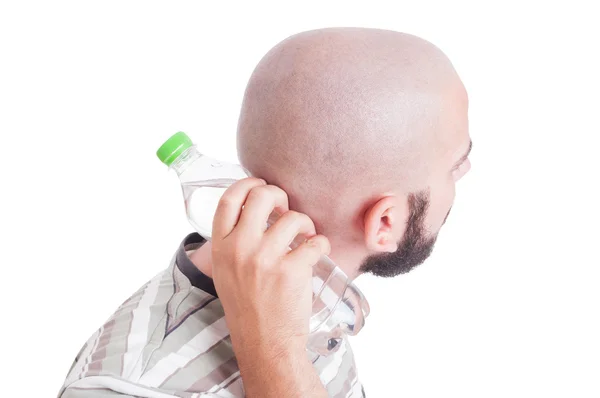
(107, 387)
(156, 345)
(93, 393)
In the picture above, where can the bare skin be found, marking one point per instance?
(343, 118)
(257, 266)
(349, 124)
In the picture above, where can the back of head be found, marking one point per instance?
(338, 117)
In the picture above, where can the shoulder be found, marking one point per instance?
(166, 335)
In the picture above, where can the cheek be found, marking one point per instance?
(440, 204)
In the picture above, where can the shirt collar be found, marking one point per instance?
(187, 268)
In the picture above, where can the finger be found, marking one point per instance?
(230, 206)
(259, 205)
(281, 234)
(308, 253)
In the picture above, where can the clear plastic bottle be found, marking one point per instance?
(338, 306)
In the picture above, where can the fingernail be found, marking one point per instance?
(312, 242)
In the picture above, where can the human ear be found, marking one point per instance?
(384, 223)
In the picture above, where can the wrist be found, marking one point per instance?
(282, 372)
(266, 349)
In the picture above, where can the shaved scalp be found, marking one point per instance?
(338, 116)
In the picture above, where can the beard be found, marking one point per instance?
(414, 248)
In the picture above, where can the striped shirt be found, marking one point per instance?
(170, 340)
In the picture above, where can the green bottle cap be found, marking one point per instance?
(173, 147)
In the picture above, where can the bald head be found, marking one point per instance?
(338, 117)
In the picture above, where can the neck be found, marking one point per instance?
(202, 259)
(346, 261)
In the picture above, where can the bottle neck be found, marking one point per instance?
(185, 159)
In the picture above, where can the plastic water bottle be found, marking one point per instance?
(338, 306)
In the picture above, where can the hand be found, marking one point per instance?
(265, 288)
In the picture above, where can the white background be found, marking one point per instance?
(509, 303)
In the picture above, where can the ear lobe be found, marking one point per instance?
(384, 224)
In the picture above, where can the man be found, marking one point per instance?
(365, 131)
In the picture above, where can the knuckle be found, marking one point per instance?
(304, 221)
(259, 193)
(289, 278)
(291, 215)
(236, 245)
(254, 180)
(278, 191)
(226, 201)
(297, 217)
(260, 260)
